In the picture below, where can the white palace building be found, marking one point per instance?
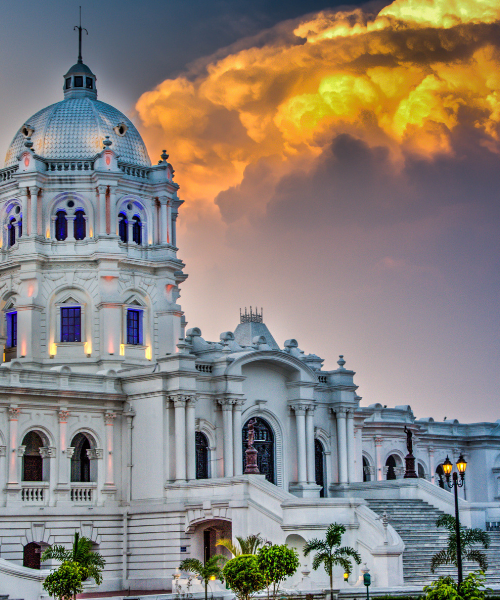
(117, 423)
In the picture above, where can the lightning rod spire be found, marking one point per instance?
(80, 29)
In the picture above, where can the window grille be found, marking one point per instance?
(80, 225)
(71, 324)
(123, 228)
(134, 327)
(137, 231)
(12, 330)
(61, 226)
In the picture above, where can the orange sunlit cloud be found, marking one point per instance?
(404, 78)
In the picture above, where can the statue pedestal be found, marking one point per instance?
(251, 468)
(410, 472)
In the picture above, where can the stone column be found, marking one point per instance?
(69, 455)
(431, 464)
(180, 438)
(101, 196)
(300, 424)
(48, 453)
(14, 413)
(169, 223)
(163, 220)
(109, 418)
(71, 228)
(358, 437)
(130, 231)
(238, 437)
(63, 478)
(23, 194)
(311, 466)
(378, 458)
(33, 209)
(112, 211)
(191, 437)
(174, 229)
(342, 444)
(351, 458)
(227, 429)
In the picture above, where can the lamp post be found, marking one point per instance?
(455, 484)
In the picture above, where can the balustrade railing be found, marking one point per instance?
(34, 494)
(6, 174)
(71, 165)
(83, 493)
(134, 171)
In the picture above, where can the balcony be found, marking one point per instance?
(35, 492)
(83, 493)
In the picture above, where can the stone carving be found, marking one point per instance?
(251, 453)
(409, 440)
(63, 416)
(109, 418)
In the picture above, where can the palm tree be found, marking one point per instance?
(248, 545)
(210, 570)
(81, 553)
(468, 538)
(330, 553)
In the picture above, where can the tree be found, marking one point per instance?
(243, 575)
(81, 553)
(206, 571)
(277, 563)
(330, 553)
(65, 582)
(248, 545)
(468, 538)
(446, 588)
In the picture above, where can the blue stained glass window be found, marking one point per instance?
(20, 225)
(71, 324)
(134, 327)
(137, 231)
(80, 228)
(12, 232)
(11, 330)
(61, 226)
(123, 227)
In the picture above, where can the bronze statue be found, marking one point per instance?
(251, 433)
(409, 441)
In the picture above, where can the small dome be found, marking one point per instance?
(75, 128)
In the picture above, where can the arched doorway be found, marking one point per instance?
(31, 555)
(366, 470)
(32, 459)
(201, 456)
(264, 444)
(440, 476)
(420, 471)
(391, 465)
(80, 461)
(319, 466)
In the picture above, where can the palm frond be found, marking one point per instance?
(321, 557)
(315, 544)
(475, 536)
(250, 544)
(345, 551)
(443, 557)
(56, 553)
(446, 521)
(477, 556)
(228, 545)
(334, 534)
(192, 565)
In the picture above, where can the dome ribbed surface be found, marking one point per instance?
(75, 128)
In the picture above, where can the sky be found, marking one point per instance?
(339, 166)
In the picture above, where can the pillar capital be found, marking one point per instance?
(94, 453)
(378, 441)
(21, 450)
(14, 413)
(102, 189)
(63, 416)
(48, 452)
(70, 451)
(238, 405)
(299, 408)
(340, 412)
(226, 403)
(109, 418)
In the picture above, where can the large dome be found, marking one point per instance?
(75, 129)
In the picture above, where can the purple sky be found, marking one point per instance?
(368, 226)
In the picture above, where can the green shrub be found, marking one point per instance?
(277, 563)
(66, 582)
(243, 576)
(445, 588)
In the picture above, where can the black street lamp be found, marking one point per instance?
(448, 468)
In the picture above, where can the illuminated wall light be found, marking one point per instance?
(149, 353)
(91, 233)
(122, 349)
(88, 348)
(47, 234)
(23, 348)
(53, 350)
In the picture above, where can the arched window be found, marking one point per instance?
(440, 476)
(421, 471)
(201, 456)
(12, 231)
(80, 461)
(366, 470)
(319, 464)
(264, 444)
(80, 225)
(123, 227)
(31, 555)
(137, 231)
(61, 226)
(20, 227)
(32, 459)
(390, 463)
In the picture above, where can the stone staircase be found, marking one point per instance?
(415, 521)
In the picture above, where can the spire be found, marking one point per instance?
(80, 29)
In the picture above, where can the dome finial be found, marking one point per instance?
(80, 29)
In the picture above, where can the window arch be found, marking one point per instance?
(61, 225)
(440, 474)
(391, 465)
(123, 227)
(264, 444)
(31, 555)
(420, 470)
(80, 225)
(32, 458)
(319, 466)
(12, 231)
(202, 454)
(137, 230)
(80, 461)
